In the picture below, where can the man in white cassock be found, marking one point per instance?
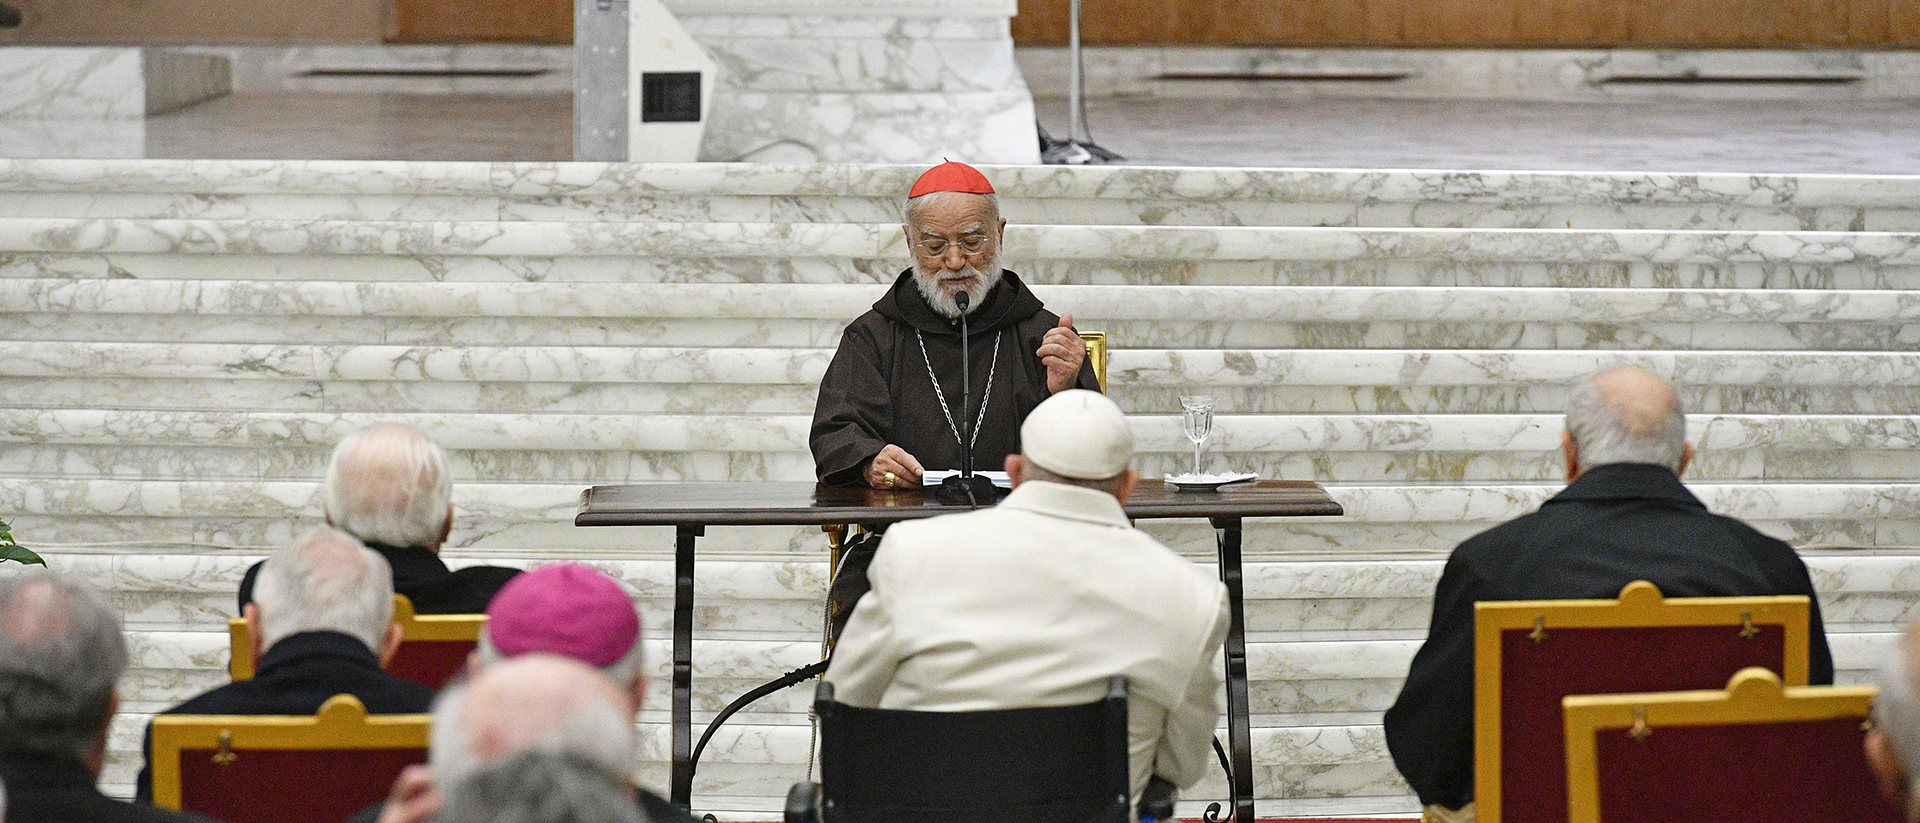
(1037, 601)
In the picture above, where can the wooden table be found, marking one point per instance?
(691, 507)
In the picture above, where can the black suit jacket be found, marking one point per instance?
(424, 578)
(1614, 525)
(50, 788)
(295, 676)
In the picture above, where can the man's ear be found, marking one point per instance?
(96, 756)
(251, 614)
(1572, 453)
(1886, 765)
(1128, 482)
(1001, 235)
(445, 529)
(1016, 467)
(390, 644)
(1686, 459)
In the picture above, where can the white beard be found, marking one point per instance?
(981, 279)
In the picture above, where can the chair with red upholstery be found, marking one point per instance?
(433, 647)
(1755, 752)
(283, 769)
(1530, 654)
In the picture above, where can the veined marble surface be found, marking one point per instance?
(892, 127)
(871, 194)
(65, 83)
(1154, 433)
(906, 81)
(71, 83)
(424, 302)
(853, 242)
(835, 55)
(997, 9)
(533, 180)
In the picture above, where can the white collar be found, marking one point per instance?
(1069, 502)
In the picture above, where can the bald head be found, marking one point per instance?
(537, 702)
(1626, 415)
(389, 484)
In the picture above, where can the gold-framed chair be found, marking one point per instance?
(1753, 752)
(433, 647)
(1530, 654)
(1097, 355)
(283, 769)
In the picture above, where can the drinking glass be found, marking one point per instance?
(1197, 418)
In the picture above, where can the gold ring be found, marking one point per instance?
(889, 478)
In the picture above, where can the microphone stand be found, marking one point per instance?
(965, 487)
(1078, 149)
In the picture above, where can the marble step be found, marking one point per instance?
(767, 746)
(853, 241)
(589, 449)
(813, 315)
(526, 502)
(1115, 195)
(524, 517)
(241, 389)
(1128, 369)
(160, 587)
(1071, 255)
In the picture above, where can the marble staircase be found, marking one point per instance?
(184, 342)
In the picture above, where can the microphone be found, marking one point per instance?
(966, 387)
(965, 487)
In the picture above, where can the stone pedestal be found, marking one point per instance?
(107, 83)
(889, 81)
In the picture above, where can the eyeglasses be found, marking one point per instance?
(970, 244)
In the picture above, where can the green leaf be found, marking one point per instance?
(18, 554)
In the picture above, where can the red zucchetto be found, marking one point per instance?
(951, 176)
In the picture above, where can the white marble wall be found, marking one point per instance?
(848, 81)
(103, 83)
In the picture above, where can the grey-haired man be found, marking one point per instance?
(1624, 516)
(61, 657)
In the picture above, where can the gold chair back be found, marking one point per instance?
(1755, 750)
(1543, 650)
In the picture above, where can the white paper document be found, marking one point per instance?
(934, 478)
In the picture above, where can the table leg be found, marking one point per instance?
(682, 789)
(1239, 723)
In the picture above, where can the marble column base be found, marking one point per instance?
(86, 83)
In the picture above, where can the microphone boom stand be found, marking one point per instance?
(965, 487)
(1078, 149)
